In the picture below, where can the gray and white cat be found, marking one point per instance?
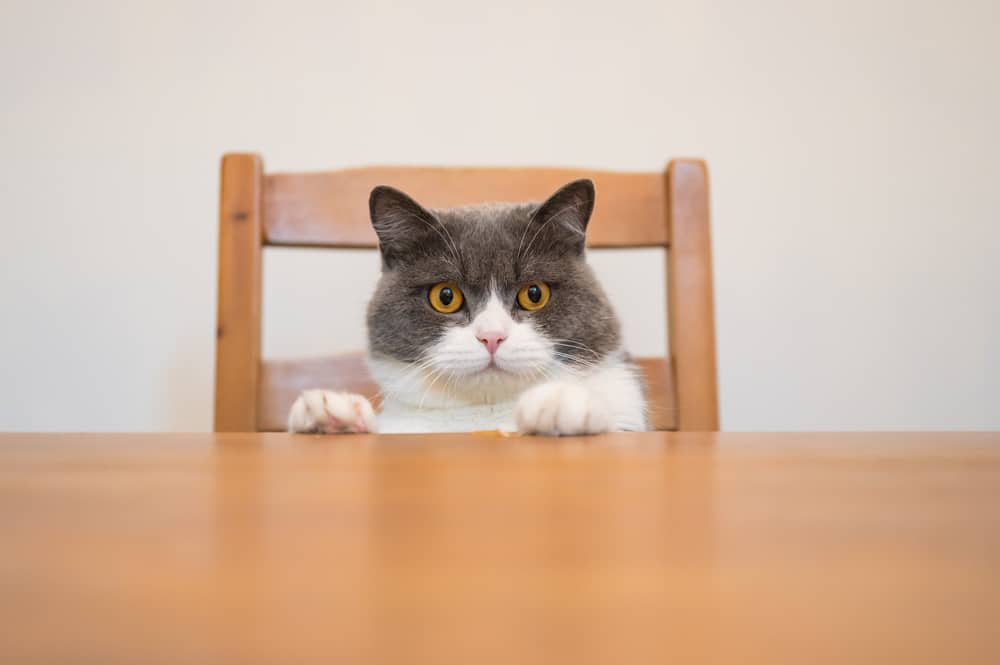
(487, 317)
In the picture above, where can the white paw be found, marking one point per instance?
(328, 412)
(560, 409)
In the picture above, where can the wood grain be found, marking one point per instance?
(632, 548)
(690, 297)
(330, 209)
(237, 349)
(281, 381)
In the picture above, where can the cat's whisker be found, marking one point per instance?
(451, 376)
(583, 362)
(413, 373)
(430, 386)
(546, 374)
(574, 353)
(577, 344)
(400, 382)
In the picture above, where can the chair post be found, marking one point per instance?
(237, 351)
(690, 303)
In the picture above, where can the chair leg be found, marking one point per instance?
(237, 353)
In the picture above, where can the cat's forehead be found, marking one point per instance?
(489, 238)
(487, 222)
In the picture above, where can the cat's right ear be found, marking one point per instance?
(564, 216)
(401, 224)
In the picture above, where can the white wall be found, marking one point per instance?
(854, 150)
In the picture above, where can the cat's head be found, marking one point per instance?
(478, 302)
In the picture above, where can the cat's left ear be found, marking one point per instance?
(564, 216)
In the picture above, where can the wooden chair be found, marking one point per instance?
(330, 209)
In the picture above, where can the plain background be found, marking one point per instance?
(854, 152)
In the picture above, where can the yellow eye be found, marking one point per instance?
(445, 297)
(533, 296)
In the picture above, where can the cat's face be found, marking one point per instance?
(481, 301)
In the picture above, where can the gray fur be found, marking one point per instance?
(483, 248)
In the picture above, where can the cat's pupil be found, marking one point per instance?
(446, 296)
(534, 293)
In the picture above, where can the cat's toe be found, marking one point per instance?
(328, 412)
(560, 409)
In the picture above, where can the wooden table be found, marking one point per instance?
(665, 548)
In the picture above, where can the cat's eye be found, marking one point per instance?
(445, 297)
(533, 296)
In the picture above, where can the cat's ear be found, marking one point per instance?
(562, 219)
(400, 223)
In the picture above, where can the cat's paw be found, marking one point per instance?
(328, 412)
(560, 409)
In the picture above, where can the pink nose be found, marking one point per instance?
(491, 340)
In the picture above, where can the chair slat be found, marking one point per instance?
(281, 381)
(330, 209)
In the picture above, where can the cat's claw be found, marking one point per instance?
(560, 409)
(328, 412)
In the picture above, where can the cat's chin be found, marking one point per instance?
(494, 370)
(494, 373)
(492, 383)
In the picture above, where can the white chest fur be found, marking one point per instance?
(396, 417)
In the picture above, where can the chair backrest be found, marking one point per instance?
(330, 209)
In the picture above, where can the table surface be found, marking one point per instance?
(660, 547)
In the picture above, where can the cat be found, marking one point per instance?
(487, 317)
